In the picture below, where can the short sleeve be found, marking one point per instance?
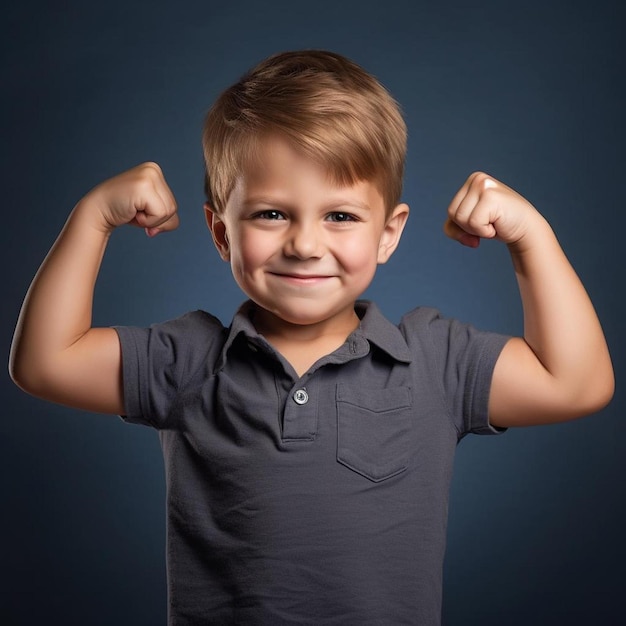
(159, 361)
(463, 359)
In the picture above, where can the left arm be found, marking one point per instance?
(561, 368)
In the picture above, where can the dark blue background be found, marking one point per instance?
(532, 92)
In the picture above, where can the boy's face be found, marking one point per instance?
(299, 246)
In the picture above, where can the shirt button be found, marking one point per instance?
(301, 396)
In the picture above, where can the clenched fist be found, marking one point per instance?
(485, 208)
(139, 196)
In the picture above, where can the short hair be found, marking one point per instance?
(325, 105)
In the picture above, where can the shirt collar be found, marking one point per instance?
(378, 330)
(374, 329)
(241, 325)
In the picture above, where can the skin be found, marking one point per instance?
(304, 249)
(561, 368)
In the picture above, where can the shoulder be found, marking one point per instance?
(190, 328)
(433, 321)
(421, 316)
(450, 337)
(184, 342)
(427, 323)
(191, 324)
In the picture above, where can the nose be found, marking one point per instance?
(304, 241)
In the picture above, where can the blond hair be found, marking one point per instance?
(325, 105)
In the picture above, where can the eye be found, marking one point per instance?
(341, 217)
(270, 214)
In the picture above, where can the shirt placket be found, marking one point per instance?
(300, 418)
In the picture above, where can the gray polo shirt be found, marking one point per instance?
(319, 499)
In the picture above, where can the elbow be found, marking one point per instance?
(26, 374)
(597, 394)
(16, 370)
(605, 385)
(21, 376)
(606, 392)
(33, 383)
(582, 399)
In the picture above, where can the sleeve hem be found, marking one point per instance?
(134, 402)
(480, 397)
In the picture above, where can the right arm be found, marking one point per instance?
(56, 354)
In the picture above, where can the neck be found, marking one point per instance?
(304, 344)
(273, 327)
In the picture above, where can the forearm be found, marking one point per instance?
(560, 323)
(57, 310)
(561, 369)
(56, 354)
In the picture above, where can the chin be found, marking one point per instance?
(297, 318)
(304, 315)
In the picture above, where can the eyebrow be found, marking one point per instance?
(350, 203)
(335, 204)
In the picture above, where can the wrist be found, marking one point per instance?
(533, 253)
(88, 212)
(535, 235)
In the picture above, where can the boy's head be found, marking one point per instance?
(325, 106)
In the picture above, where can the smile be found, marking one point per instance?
(301, 279)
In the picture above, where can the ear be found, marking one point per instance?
(218, 231)
(392, 232)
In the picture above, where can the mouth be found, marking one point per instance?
(301, 279)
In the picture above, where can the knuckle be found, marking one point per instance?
(149, 173)
(477, 177)
(145, 185)
(482, 181)
(486, 182)
(475, 221)
(151, 166)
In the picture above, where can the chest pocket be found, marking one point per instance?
(374, 430)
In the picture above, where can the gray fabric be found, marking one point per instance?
(319, 500)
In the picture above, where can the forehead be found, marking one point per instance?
(277, 167)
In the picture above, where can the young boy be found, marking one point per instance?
(309, 445)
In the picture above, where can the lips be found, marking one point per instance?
(300, 279)
(300, 276)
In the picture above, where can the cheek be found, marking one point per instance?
(249, 251)
(358, 255)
